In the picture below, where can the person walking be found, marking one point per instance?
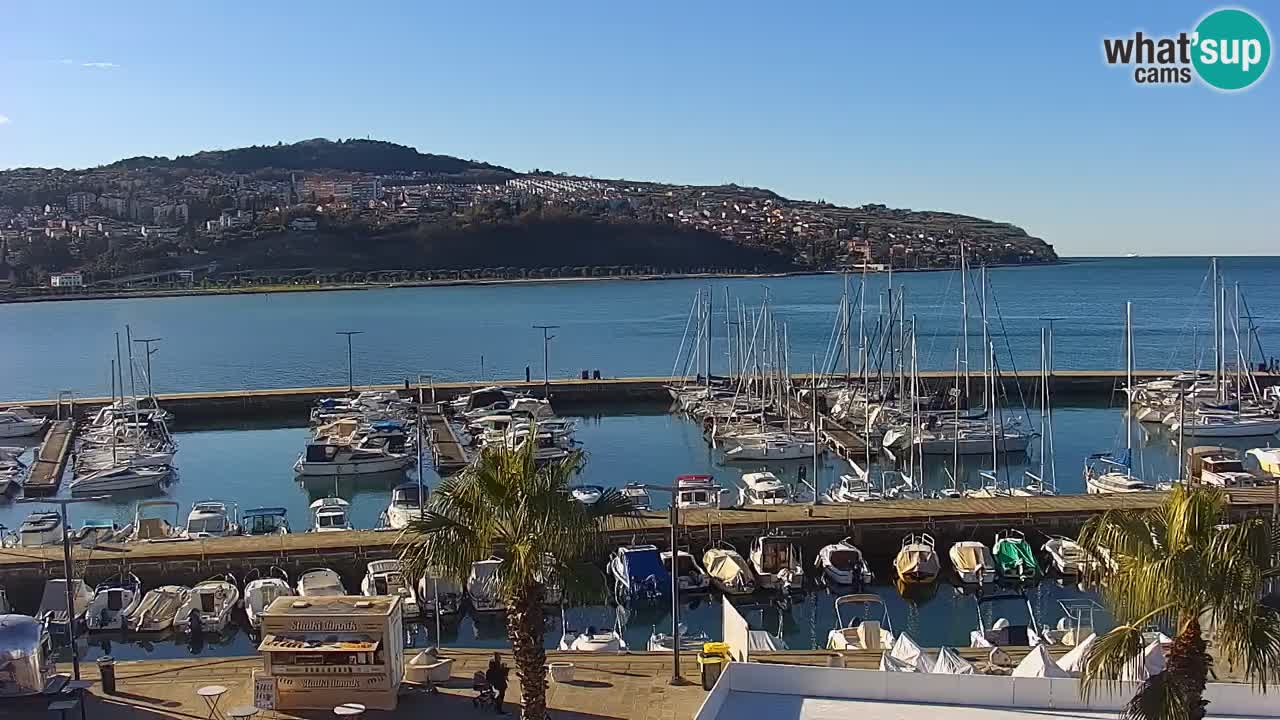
(497, 677)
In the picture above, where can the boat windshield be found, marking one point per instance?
(844, 559)
(684, 564)
(331, 520)
(406, 496)
(212, 525)
(265, 524)
(1224, 466)
(774, 494)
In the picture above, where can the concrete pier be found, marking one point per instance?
(446, 451)
(51, 461)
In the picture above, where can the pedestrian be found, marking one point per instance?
(497, 677)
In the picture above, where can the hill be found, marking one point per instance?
(371, 156)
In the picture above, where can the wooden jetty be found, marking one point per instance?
(447, 452)
(877, 526)
(51, 460)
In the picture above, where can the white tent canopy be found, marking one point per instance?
(889, 663)
(950, 663)
(910, 652)
(1039, 664)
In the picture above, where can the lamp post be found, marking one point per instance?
(546, 342)
(147, 341)
(62, 504)
(351, 385)
(676, 677)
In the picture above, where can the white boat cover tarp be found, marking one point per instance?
(1149, 662)
(949, 662)
(889, 663)
(909, 651)
(968, 558)
(1040, 664)
(763, 641)
(729, 568)
(1073, 661)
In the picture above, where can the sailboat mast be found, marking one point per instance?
(1217, 354)
(1044, 396)
(1128, 377)
(1235, 331)
(710, 307)
(813, 395)
(862, 331)
(986, 333)
(786, 364)
(964, 315)
(991, 408)
(728, 336)
(848, 341)
(1053, 467)
(955, 435)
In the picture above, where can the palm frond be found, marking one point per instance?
(1160, 697)
(1106, 659)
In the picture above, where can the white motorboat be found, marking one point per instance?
(593, 639)
(1219, 466)
(689, 642)
(53, 610)
(120, 477)
(586, 494)
(320, 582)
(546, 445)
(40, 528)
(853, 488)
(972, 562)
(330, 515)
(324, 459)
(483, 586)
(405, 504)
(770, 447)
(865, 629)
(384, 577)
(19, 421)
(158, 607)
(690, 577)
(697, 491)
(439, 594)
(973, 439)
(843, 565)
(763, 488)
(210, 519)
(114, 602)
(1213, 425)
(1266, 461)
(265, 521)
(777, 563)
(12, 472)
(638, 574)
(1067, 556)
(917, 561)
(1104, 474)
(638, 494)
(1002, 632)
(148, 525)
(729, 571)
(209, 606)
(261, 590)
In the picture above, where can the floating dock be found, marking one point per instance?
(447, 452)
(51, 460)
(877, 526)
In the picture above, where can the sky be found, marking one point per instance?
(1004, 110)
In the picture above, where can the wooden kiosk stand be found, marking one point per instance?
(320, 652)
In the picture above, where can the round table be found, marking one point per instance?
(242, 713)
(212, 695)
(349, 710)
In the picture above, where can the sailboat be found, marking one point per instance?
(1104, 473)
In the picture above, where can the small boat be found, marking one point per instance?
(690, 578)
(148, 525)
(19, 421)
(261, 590)
(1104, 474)
(763, 488)
(98, 530)
(1014, 557)
(12, 472)
(777, 563)
(843, 565)
(158, 607)
(972, 562)
(120, 477)
(638, 495)
(40, 528)
(917, 561)
(483, 586)
(210, 519)
(1212, 425)
(729, 571)
(586, 494)
(265, 521)
(593, 639)
(208, 607)
(861, 631)
(689, 642)
(1002, 633)
(324, 459)
(383, 577)
(770, 447)
(330, 515)
(1219, 466)
(853, 489)
(114, 602)
(638, 574)
(437, 593)
(406, 505)
(1267, 462)
(1067, 556)
(697, 491)
(320, 582)
(53, 610)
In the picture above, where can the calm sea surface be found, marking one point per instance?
(621, 328)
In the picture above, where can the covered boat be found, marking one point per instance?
(1014, 557)
(113, 603)
(383, 577)
(729, 571)
(843, 565)
(320, 582)
(439, 594)
(209, 606)
(972, 562)
(158, 608)
(690, 577)
(54, 612)
(638, 573)
(261, 590)
(917, 561)
(483, 586)
(867, 626)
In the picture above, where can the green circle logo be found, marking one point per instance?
(1232, 49)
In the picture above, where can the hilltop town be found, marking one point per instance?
(323, 212)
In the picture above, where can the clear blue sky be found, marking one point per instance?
(1004, 110)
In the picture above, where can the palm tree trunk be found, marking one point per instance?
(525, 626)
(1188, 661)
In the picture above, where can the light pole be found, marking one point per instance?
(62, 504)
(351, 384)
(150, 352)
(676, 677)
(546, 373)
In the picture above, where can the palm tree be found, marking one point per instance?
(504, 500)
(1180, 566)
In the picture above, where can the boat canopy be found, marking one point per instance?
(971, 557)
(265, 511)
(643, 563)
(726, 566)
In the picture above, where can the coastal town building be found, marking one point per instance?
(66, 280)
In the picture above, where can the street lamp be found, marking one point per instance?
(62, 504)
(676, 677)
(150, 352)
(351, 385)
(546, 342)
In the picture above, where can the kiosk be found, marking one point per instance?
(320, 652)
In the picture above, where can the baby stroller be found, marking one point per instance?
(485, 696)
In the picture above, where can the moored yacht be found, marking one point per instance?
(384, 577)
(763, 488)
(405, 505)
(690, 577)
(697, 491)
(120, 477)
(19, 421)
(483, 586)
(210, 519)
(261, 590)
(325, 458)
(208, 607)
(320, 582)
(40, 528)
(158, 607)
(843, 565)
(330, 515)
(1104, 474)
(113, 603)
(776, 562)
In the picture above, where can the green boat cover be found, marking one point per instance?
(1014, 558)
